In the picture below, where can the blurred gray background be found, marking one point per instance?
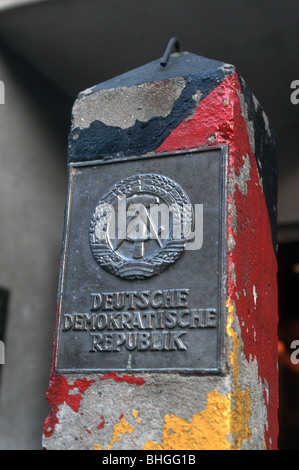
(49, 51)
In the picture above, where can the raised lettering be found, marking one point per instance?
(96, 301)
(114, 321)
(131, 341)
(143, 299)
(143, 341)
(169, 299)
(156, 303)
(118, 340)
(67, 322)
(78, 322)
(137, 321)
(126, 318)
(170, 319)
(149, 318)
(211, 318)
(119, 300)
(107, 301)
(182, 300)
(131, 298)
(181, 315)
(89, 320)
(102, 321)
(176, 342)
(96, 339)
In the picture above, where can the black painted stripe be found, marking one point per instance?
(266, 157)
(99, 140)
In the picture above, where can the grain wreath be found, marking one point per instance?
(141, 226)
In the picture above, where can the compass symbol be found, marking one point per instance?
(144, 246)
(140, 226)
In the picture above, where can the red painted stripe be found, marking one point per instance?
(218, 120)
(130, 379)
(58, 393)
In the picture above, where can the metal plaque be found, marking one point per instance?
(142, 283)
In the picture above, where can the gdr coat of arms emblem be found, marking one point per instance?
(141, 226)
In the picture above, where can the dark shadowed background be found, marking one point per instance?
(51, 50)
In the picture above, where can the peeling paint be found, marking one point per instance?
(102, 423)
(97, 447)
(208, 430)
(249, 123)
(254, 294)
(59, 393)
(225, 418)
(241, 409)
(240, 180)
(123, 106)
(119, 429)
(130, 379)
(100, 140)
(267, 124)
(233, 272)
(250, 221)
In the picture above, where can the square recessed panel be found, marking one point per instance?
(145, 300)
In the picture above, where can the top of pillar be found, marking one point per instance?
(180, 64)
(132, 115)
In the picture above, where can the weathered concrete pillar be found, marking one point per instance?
(166, 340)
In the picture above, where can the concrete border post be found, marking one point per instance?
(191, 103)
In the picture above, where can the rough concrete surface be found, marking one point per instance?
(233, 410)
